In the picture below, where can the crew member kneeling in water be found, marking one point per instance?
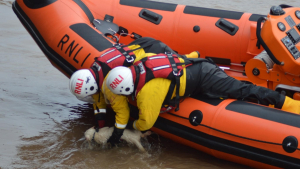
(162, 79)
(86, 84)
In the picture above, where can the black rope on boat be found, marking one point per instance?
(279, 144)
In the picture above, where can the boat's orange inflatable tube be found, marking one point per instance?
(226, 36)
(238, 131)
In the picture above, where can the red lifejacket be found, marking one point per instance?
(118, 55)
(158, 66)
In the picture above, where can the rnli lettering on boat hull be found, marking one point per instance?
(67, 45)
(65, 34)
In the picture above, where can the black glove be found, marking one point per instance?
(115, 137)
(130, 125)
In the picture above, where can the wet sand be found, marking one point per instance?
(42, 124)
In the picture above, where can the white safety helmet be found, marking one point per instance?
(83, 85)
(120, 81)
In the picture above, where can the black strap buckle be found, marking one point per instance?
(117, 45)
(129, 58)
(176, 73)
(95, 70)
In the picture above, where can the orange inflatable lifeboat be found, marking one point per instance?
(72, 33)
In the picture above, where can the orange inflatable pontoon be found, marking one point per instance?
(71, 33)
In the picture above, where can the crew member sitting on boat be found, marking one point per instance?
(86, 84)
(157, 82)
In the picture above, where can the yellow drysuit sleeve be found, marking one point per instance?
(119, 104)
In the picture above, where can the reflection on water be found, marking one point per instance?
(6, 2)
(64, 145)
(60, 144)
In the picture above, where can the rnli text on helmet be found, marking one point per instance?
(78, 86)
(116, 82)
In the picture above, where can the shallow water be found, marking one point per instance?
(42, 124)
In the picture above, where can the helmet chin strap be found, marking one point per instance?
(97, 79)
